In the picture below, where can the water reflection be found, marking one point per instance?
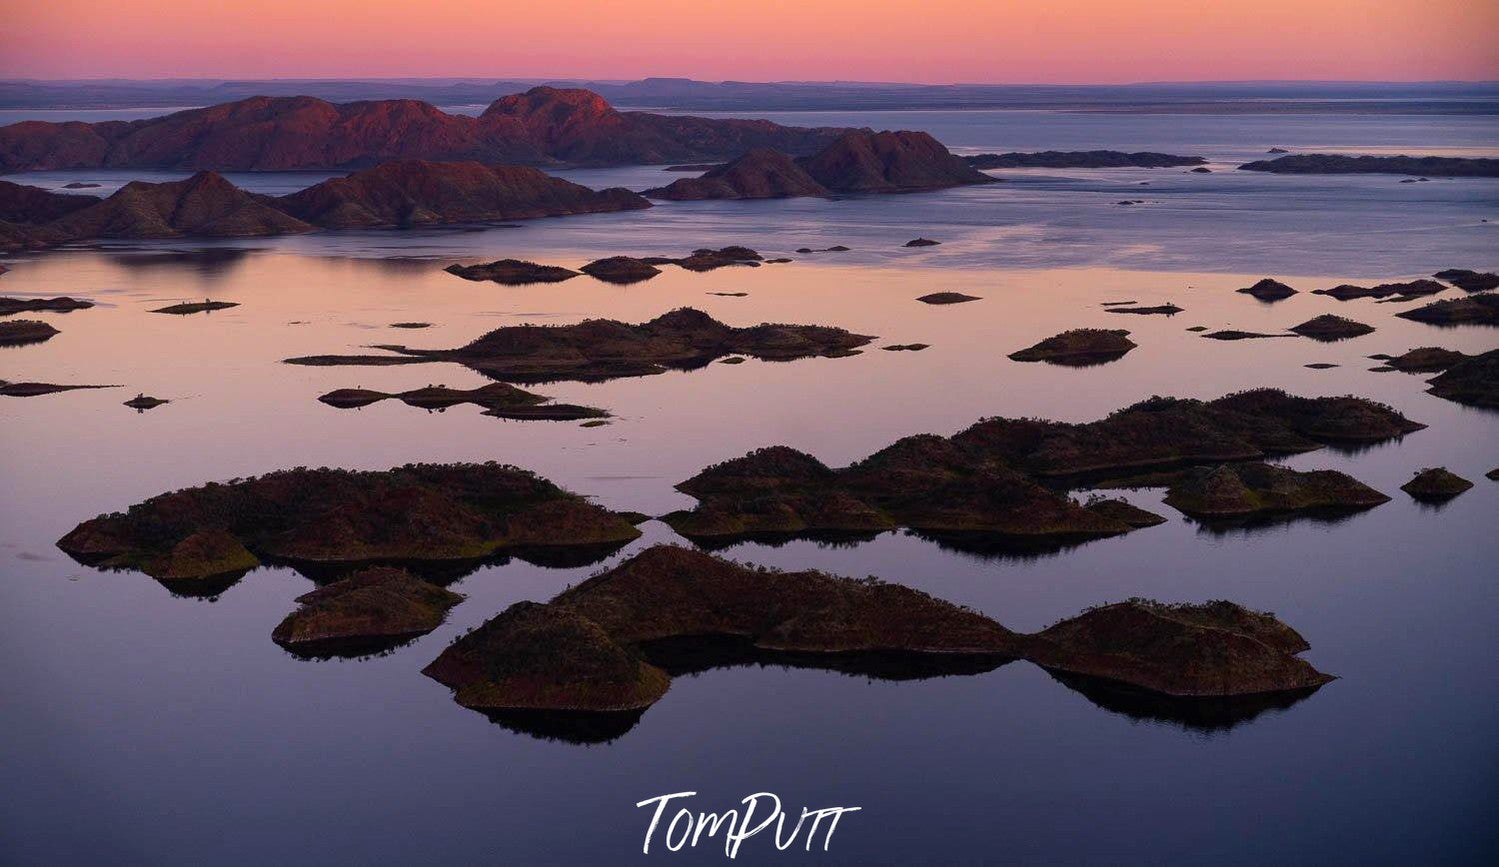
(1196, 714)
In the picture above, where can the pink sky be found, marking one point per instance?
(870, 40)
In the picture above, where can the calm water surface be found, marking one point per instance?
(144, 728)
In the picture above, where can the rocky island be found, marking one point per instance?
(1246, 489)
(64, 304)
(1342, 164)
(1081, 160)
(1412, 289)
(1268, 290)
(1482, 309)
(1328, 328)
(1473, 381)
(948, 298)
(622, 270)
(599, 349)
(372, 610)
(1436, 484)
(606, 646)
(497, 399)
(856, 162)
(1080, 347)
(1469, 281)
(419, 513)
(512, 272)
(21, 332)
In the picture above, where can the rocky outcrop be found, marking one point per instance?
(1475, 310)
(512, 272)
(1436, 484)
(1473, 381)
(19, 332)
(1341, 164)
(600, 349)
(543, 125)
(886, 162)
(1242, 490)
(1235, 334)
(64, 304)
(606, 645)
(416, 513)
(1469, 281)
(373, 609)
(497, 399)
(759, 174)
(416, 193)
(1328, 328)
(1080, 347)
(1080, 160)
(1268, 290)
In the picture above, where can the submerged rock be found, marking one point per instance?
(1080, 347)
(1476, 310)
(1239, 490)
(837, 248)
(1328, 328)
(1160, 310)
(600, 349)
(906, 347)
(370, 609)
(19, 332)
(1268, 290)
(606, 645)
(196, 307)
(12, 306)
(1469, 281)
(1473, 381)
(620, 269)
(410, 325)
(1436, 483)
(415, 513)
(947, 298)
(513, 272)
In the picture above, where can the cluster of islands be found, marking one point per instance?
(587, 663)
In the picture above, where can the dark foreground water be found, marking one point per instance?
(144, 728)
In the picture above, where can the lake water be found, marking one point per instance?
(146, 728)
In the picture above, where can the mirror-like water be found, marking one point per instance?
(146, 728)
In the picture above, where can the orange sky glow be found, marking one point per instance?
(942, 41)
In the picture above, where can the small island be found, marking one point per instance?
(372, 610)
(1436, 484)
(1328, 328)
(20, 332)
(1342, 164)
(1080, 347)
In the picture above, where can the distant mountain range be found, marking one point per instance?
(691, 95)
